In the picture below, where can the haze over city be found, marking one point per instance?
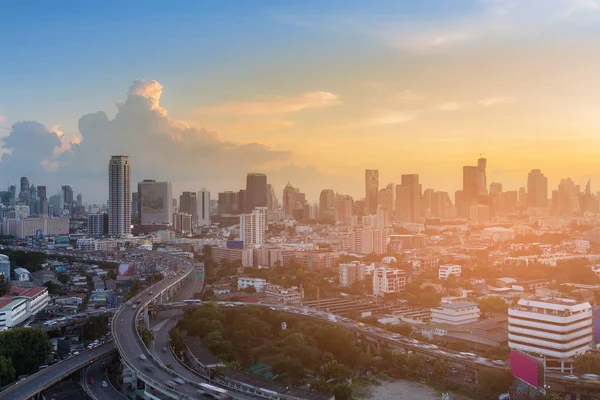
(305, 92)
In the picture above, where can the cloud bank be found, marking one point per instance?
(159, 148)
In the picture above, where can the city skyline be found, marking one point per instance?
(420, 92)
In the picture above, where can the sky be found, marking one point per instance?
(310, 92)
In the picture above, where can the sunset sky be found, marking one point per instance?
(311, 92)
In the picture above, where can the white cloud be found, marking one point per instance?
(275, 104)
(492, 101)
(451, 106)
(391, 119)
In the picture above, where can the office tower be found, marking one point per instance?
(24, 193)
(427, 204)
(135, 208)
(188, 203)
(119, 196)
(537, 189)
(79, 199)
(408, 198)
(98, 224)
(470, 184)
(568, 204)
(203, 212)
(228, 203)
(510, 200)
(68, 197)
(241, 201)
(481, 176)
(33, 200)
(156, 202)
(497, 198)
(386, 199)
(256, 191)
(182, 223)
(327, 205)
(358, 208)
(441, 205)
(253, 226)
(41, 192)
(289, 200)
(371, 191)
(556, 329)
(272, 203)
(344, 208)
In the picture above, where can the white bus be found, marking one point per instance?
(214, 392)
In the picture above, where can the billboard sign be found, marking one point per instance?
(125, 272)
(529, 370)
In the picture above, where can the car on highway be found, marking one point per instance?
(571, 377)
(591, 377)
(104, 384)
(164, 349)
(498, 362)
(149, 368)
(179, 380)
(92, 381)
(143, 357)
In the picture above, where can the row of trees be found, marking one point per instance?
(22, 351)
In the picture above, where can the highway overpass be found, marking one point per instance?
(36, 383)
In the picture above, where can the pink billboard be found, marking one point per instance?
(125, 272)
(525, 368)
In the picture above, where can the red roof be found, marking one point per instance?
(4, 301)
(26, 292)
(250, 300)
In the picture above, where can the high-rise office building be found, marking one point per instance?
(568, 204)
(272, 203)
(182, 223)
(42, 200)
(228, 203)
(24, 193)
(481, 176)
(327, 205)
(408, 199)
(119, 196)
(135, 208)
(470, 184)
(188, 203)
(256, 191)
(79, 199)
(344, 208)
(68, 197)
(241, 197)
(537, 189)
(156, 202)
(289, 200)
(98, 224)
(371, 191)
(253, 226)
(203, 197)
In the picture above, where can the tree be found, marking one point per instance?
(587, 363)
(7, 371)
(53, 288)
(250, 289)
(26, 348)
(146, 334)
(64, 278)
(493, 304)
(335, 370)
(3, 285)
(496, 381)
(342, 391)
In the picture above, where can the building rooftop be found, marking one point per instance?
(457, 305)
(6, 302)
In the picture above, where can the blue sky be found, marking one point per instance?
(308, 91)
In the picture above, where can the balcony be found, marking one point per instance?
(551, 336)
(546, 345)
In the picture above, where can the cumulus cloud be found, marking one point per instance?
(159, 148)
(29, 149)
(276, 104)
(492, 101)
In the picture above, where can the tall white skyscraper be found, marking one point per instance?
(253, 227)
(203, 197)
(119, 196)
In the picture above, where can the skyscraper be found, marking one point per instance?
(289, 200)
(24, 193)
(272, 203)
(344, 207)
(371, 191)
(79, 199)
(203, 207)
(481, 176)
(327, 205)
(68, 197)
(119, 196)
(253, 226)
(256, 191)
(188, 203)
(537, 189)
(408, 199)
(156, 202)
(43, 200)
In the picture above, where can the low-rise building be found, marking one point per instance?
(22, 275)
(279, 294)
(13, 311)
(351, 272)
(445, 270)
(317, 260)
(231, 255)
(460, 313)
(388, 280)
(256, 283)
